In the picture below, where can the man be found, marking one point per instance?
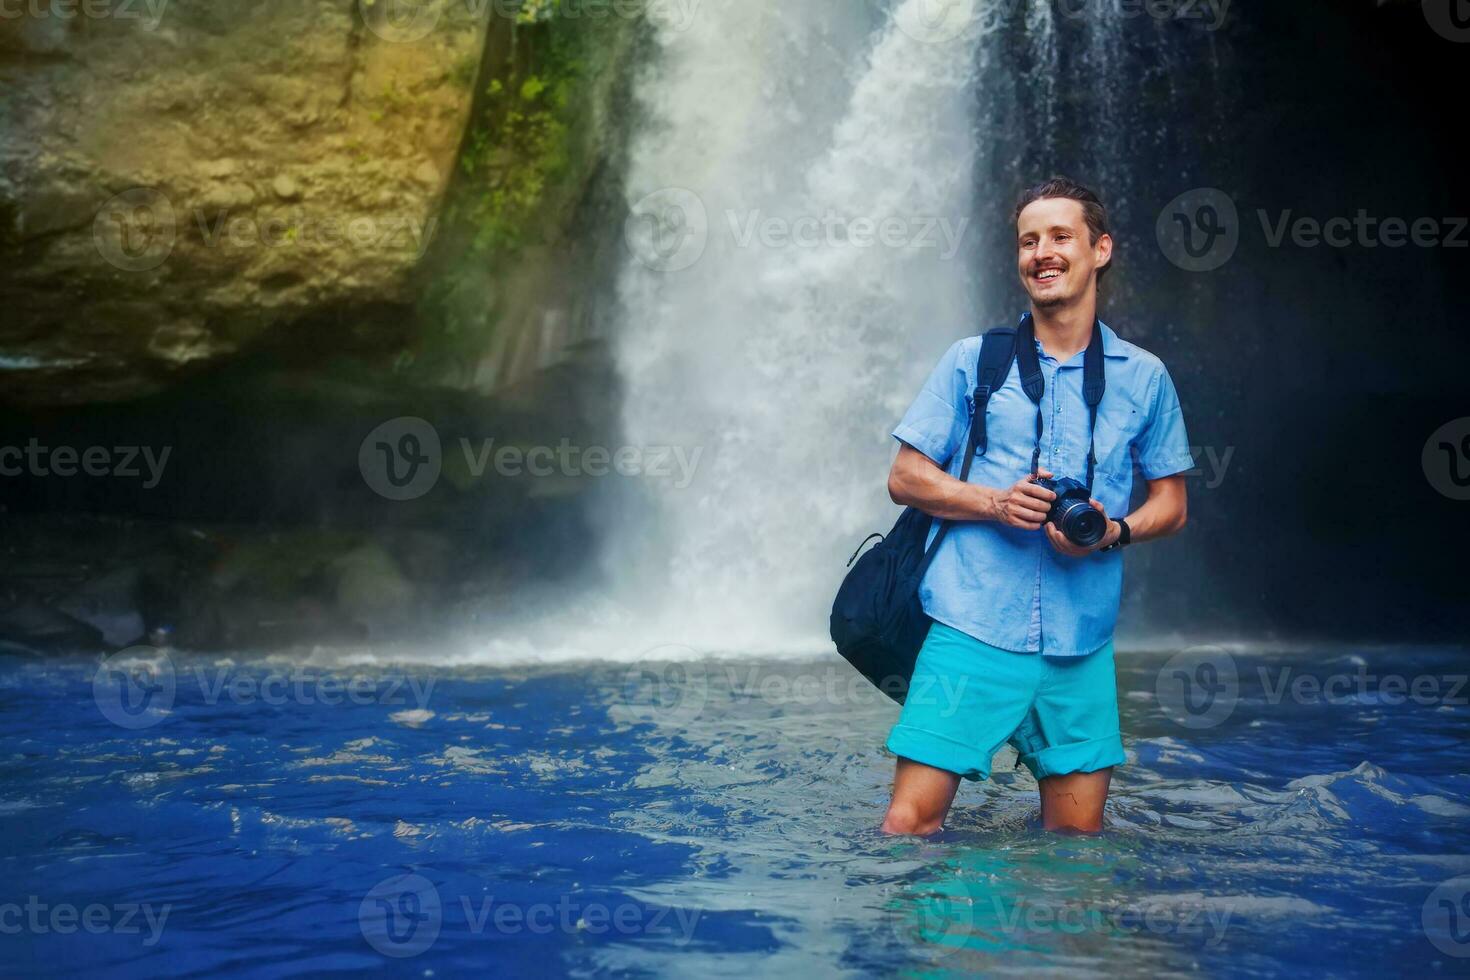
(1021, 648)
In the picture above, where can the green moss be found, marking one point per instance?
(526, 153)
(463, 72)
(518, 147)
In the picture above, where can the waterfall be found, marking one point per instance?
(800, 191)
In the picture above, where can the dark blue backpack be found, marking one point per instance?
(878, 622)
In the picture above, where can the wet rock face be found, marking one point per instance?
(178, 177)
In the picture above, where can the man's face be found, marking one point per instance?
(1057, 259)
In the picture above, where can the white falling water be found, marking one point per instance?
(756, 330)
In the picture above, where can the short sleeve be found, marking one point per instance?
(1163, 445)
(937, 422)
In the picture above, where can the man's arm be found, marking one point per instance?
(1165, 512)
(917, 481)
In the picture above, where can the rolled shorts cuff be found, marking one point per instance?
(939, 751)
(1088, 756)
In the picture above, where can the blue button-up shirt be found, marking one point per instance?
(1008, 587)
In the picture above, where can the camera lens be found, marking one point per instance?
(1082, 524)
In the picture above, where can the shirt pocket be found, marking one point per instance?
(1113, 441)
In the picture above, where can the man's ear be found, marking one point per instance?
(1104, 251)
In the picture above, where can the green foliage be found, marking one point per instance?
(522, 150)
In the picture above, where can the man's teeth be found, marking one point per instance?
(1048, 274)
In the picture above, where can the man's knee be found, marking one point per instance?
(906, 818)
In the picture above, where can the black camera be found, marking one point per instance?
(1073, 514)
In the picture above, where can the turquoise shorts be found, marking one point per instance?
(967, 699)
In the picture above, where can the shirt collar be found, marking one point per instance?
(1113, 345)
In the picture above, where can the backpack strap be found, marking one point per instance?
(997, 351)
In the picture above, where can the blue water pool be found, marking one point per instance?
(715, 818)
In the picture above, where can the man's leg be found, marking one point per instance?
(921, 798)
(1075, 801)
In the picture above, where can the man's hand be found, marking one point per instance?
(1025, 505)
(1059, 540)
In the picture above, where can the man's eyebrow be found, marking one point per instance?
(1053, 229)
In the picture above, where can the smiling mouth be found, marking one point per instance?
(1048, 275)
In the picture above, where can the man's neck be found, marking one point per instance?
(1066, 331)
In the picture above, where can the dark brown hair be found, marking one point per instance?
(1093, 211)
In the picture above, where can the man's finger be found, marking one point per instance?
(1039, 492)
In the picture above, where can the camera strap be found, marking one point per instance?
(1094, 384)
